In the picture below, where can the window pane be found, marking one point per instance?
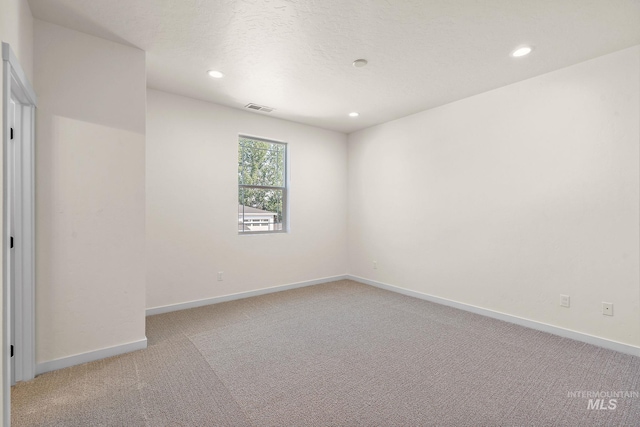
(260, 209)
(261, 163)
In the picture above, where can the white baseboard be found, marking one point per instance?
(91, 356)
(544, 327)
(241, 295)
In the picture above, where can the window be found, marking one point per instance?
(262, 185)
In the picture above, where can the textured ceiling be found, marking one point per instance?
(296, 55)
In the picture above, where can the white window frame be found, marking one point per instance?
(285, 188)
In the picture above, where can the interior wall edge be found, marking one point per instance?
(528, 323)
(90, 356)
(241, 295)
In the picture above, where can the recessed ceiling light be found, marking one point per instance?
(521, 51)
(354, 114)
(215, 74)
(359, 63)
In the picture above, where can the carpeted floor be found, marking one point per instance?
(337, 354)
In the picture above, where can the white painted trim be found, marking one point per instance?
(16, 83)
(23, 206)
(532, 324)
(19, 74)
(216, 300)
(27, 251)
(91, 356)
(6, 276)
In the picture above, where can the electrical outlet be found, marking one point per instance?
(607, 308)
(220, 276)
(375, 265)
(564, 301)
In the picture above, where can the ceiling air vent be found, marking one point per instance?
(259, 108)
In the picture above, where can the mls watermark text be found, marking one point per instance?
(603, 400)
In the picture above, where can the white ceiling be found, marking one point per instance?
(296, 55)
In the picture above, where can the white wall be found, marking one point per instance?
(90, 207)
(508, 199)
(16, 28)
(192, 202)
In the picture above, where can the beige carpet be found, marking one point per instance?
(337, 354)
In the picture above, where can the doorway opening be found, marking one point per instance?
(18, 242)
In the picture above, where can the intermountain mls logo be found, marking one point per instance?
(603, 400)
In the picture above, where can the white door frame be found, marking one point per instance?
(16, 86)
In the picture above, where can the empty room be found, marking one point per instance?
(320, 213)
